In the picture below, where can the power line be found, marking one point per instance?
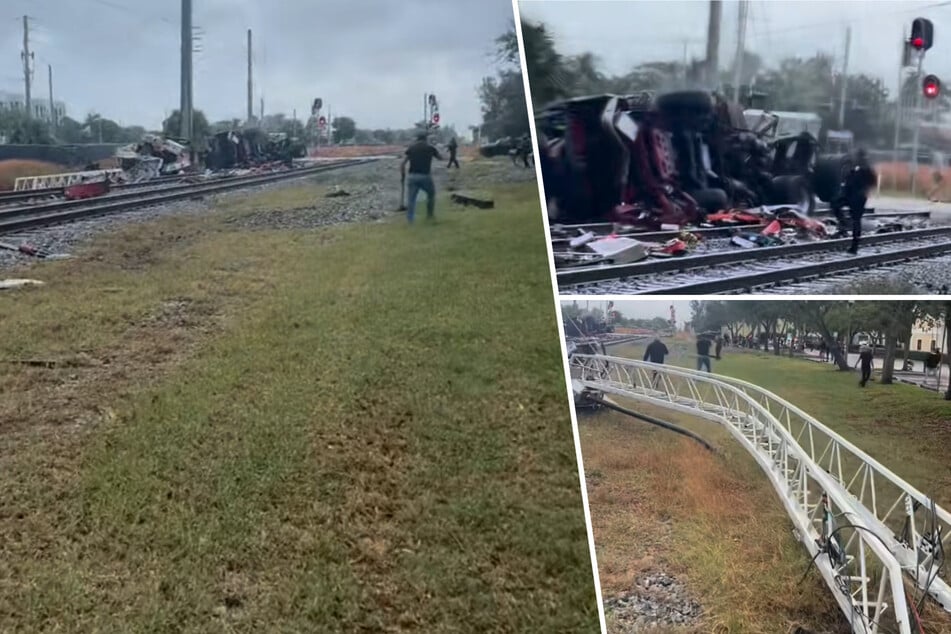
(852, 21)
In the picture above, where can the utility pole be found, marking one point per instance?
(914, 143)
(53, 122)
(250, 82)
(262, 113)
(713, 42)
(186, 72)
(685, 63)
(27, 70)
(742, 11)
(845, 77)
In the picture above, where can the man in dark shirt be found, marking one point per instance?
(453, 147)
(655, 353)
(420, 156)
(855, 187)
(703, 353)
(865, 358)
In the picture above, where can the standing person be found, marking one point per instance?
(453, 148)
(719, 347)
(865, 358)
(655, 353)
(855, 187)
(703, 353)
(420, 156)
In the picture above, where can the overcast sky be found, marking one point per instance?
(626, 33)
(642, 308)
(368, 59)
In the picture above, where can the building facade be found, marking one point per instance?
(13, 102)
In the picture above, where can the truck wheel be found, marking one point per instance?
(793, 190)
(711, 200)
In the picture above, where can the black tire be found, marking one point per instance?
(698, 101)
(711, 200)
(793, 190)
(827, 177)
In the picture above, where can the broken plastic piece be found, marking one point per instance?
(620, 250)
(582, 240)
(18, 283)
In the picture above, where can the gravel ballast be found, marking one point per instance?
(373, 188)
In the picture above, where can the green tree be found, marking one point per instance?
(201, 129)
(345, 129)
(503, 96)
(17, 128)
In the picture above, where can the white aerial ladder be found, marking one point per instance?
(864, 526)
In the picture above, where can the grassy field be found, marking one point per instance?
(716, 521)
(359, 428)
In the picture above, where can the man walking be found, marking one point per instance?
(420, 156)
(655, 353)
(453, 148)
(865, 358)
(855, 187)
(703, 353)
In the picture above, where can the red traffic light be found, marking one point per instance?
(918, 43)
(931, 86)
(435, 117)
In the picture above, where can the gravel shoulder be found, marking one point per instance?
(373, 193)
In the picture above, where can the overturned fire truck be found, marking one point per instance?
(672, 159)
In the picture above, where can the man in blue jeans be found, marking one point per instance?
(420, 157)
(703, 353)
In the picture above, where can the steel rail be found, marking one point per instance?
(602, 273)
(29, 217)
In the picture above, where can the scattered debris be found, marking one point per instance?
(18, 283)
(337, 193)
(480, 201)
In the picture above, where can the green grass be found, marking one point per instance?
(904, 427)
(361, 428)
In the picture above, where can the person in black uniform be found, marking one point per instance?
(865, 358)
(453, 148)
(655, 353)
(419, 157)
(858, 181)
(703, 353)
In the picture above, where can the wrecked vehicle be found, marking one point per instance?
(152, 157)
(249, 148)
(501, 147)
(666, 160)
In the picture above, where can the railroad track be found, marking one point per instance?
(34, 216)
(51, 193)
(743, 271)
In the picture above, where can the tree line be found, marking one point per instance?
(890, 322)
(800, 84)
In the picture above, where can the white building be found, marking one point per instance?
(41, 107)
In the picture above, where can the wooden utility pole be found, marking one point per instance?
(713, 42)
(27, 69)
(250, 82)
(845, 77)
(742, 12)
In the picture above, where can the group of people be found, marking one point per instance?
(657, 351)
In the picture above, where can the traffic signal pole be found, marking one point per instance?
(914, 143)
(898, 115)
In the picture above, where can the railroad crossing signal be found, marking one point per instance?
(922, 34)
(435, 118)
(322, 122)
(931, 86)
